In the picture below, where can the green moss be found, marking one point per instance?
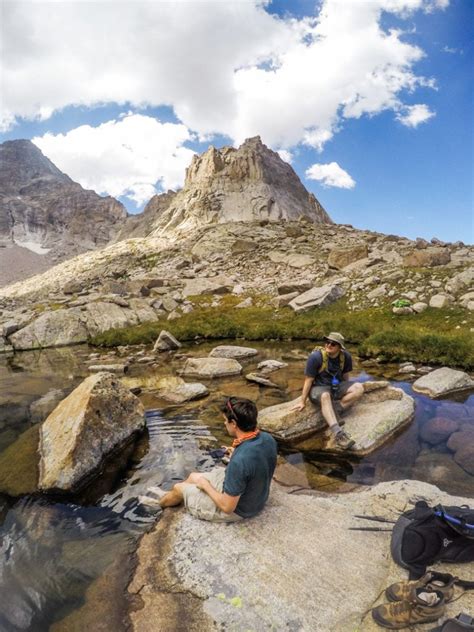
(428, 337)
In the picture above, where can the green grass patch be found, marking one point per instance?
(430, 337)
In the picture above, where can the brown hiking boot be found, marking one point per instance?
(432, 580)
(422, 607)
(344, 440)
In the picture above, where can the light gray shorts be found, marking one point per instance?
(200, 505)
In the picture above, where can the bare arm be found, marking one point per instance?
(345, 376)
(307, 384)
(223, 501)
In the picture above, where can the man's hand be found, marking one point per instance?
(228, 449)
(299, 407)
(201, 482)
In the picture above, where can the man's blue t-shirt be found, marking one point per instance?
(250, 472)
(324, 378)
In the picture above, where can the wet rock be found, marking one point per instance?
(232, 351)
(166, 342)
(211, 367)
(96, 418)
(465, 436)
(268, 366)
(371, 422)
(442, 382)
(465, 457)
(317, 297)
(111, 368)
(438, 430)
(177, 391)
(441, 469)
(259, 379)
(407, 368)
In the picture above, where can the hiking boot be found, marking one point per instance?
(344, 440)
(432, 580)
(421, 607)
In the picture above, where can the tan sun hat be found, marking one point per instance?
(334, 336)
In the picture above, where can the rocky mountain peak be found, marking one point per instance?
(248, 183)
(24, 165)
(44, 212)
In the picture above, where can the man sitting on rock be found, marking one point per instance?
(241, 489)
(326, 383)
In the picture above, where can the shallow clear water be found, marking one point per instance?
(52, 551)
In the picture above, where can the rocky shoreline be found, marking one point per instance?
(295, 566)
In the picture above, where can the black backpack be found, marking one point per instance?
(425, 535)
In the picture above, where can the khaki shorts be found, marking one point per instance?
(200, 505)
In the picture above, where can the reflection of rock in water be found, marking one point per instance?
(441, 470)
(47, 556)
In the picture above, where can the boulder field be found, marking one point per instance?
(296, 566)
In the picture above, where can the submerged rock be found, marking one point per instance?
(96, 418)
(232, 351)
(177, 391)
(212, 367)
(443, 382)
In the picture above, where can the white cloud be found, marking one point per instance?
(285, 155)
(330, 175)
(122, 158)
(413, 115)
(224, 67)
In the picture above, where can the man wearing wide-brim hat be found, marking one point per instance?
(327, 385)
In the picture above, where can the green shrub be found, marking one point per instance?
(429, 337)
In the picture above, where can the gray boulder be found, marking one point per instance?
(52, 329)
(217, 285)
(166, 342)
(96, 418)
(268, 366)
(440, 300)
(317, 297)
(211, 367)
(442, 382)
(284, 583)
(232, 351)
(371, 422)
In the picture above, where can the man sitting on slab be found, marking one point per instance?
(241, 489)
(326, 384)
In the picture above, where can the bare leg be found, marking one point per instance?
(175, 496)
(353, 394)
(328, 410)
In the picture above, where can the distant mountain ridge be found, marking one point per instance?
(45, 210)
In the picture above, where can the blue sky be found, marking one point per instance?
(370, 101)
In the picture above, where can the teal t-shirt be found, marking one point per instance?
(250, 472)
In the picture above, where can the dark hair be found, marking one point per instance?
(242, 411)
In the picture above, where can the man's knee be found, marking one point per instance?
(325, 397)
(193, 478)
(356, 389)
